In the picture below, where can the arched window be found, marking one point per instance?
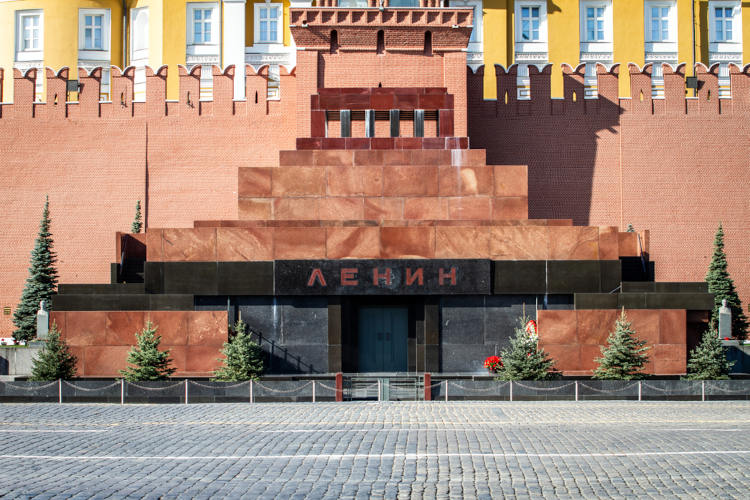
(334, 41)
(428, 43)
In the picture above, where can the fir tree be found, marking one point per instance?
(137, 225)
(149, 363)
(625, 354)
(243, 357)
(708, 361)
(54, 361)
(722, 286)
(41, 283)
(523, 360)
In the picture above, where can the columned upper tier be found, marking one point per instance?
(389, 29)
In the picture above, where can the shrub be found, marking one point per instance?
(54, 361)
(148, 362)
(243, 357)
(625, 354)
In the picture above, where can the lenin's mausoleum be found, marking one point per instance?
(372, 212)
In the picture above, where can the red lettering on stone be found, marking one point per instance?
(417, 276)
(376, 276)
(349, 276)
(316, 275)
(452, 275)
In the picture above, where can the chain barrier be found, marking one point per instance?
(238, 384)
(687, 392)
(326, 386)
(87, 389)
(177, 384)
(545, 389)
(282, 391)
(607, 391)
(471, 389)
(29, 387)
(711, 384)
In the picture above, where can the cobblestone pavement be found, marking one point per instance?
(366, 450)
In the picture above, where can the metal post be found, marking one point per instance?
(59, 390)
(122, 391)
(446, 390)
(380, 393)
(576, 390)
(313, 382)
(251, 390)
(639, 390)
(511, 390)
(703, 390)
(186, 391)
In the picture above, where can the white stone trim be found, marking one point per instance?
(596, 50)
(29, 55)
(720, 50)
(279, 23)
(285, 56)
(202, 53)
(233, 33)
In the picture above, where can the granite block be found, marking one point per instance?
(84, 328)
(207, 328)
(333, 158)
(243, 244)
(340, 208)
(254, 209)
(557, 327)
(407, 242)
(425, 208)
(104, 361)
(171, 325)
(410, 181)
(296, 208)
(566, 356)
(202, 359)
(510, 180)
(573, 276)
(520, 276)
(470, 208)
(574, 243)
(253, 182)
(608, 243)
(519, 243)
(190, 245)
(379, 209)
(645, 323)
(197, 278)
(245, 278)
(672, 326)
(299, 243)
(352, 242)
(464, 181)
(462, 320)
(462, 242)
(594, 326)
(299, 181)
(510, 208)
(121, 326)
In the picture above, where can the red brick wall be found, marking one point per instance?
(675, 166)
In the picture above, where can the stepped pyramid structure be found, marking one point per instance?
(382, 242)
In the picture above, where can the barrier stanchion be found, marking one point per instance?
(511, 390)
(428, 387)
(186, 391)
(313, 391)
(639, 390)
(576, 390)
(339, 386)
(59, 390)
(122, 391)
(380, 391)
(251, 390)
(446, 390)
(703, 390)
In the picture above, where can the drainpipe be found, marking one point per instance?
(124, 35)
(692, 5)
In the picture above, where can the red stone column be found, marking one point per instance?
(428, 387)
(339, 386)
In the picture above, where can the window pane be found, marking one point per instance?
(274, 13)
(207, 14)
(264, 31)
(198, 33)
(654, 29)
(589, 12)
(206, 32)
(272, 31)
(719, 30)
(665, 12)
(198, 15)
(719, 12)
(87, 38)
(263, 13)
(97, 20)
(97, 38)
(535, 12)
(524, 12)
(728, 30)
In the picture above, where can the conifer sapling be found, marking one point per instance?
(708, 361)
(625, 354)
(523, 360)
(148, 362)
(722, 286)
(41, 283)
(243, 357)
(54, 361)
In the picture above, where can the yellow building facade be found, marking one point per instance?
(90, 33)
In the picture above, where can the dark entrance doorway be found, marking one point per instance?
(383, 339)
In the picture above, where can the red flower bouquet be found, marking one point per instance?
(493, 363)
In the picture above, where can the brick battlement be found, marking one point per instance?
(728, 95)
(155, 105)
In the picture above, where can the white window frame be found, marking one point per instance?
(542, 6)
(531, 51)
(279, 23)
(215, 24)
(671, 21)
(596, 50)
(22, 54)
(725, 51)
(90, 53)
(736, 21)
(606, 28)
(658, 51)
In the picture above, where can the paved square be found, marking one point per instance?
(366, 450)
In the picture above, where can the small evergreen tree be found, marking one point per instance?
(137, 225)
(54, 361)
(625, 354)
(722, 286)
(149, 363)
(243, 357)
(708, 361)
(41, 283)
(523, 360)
